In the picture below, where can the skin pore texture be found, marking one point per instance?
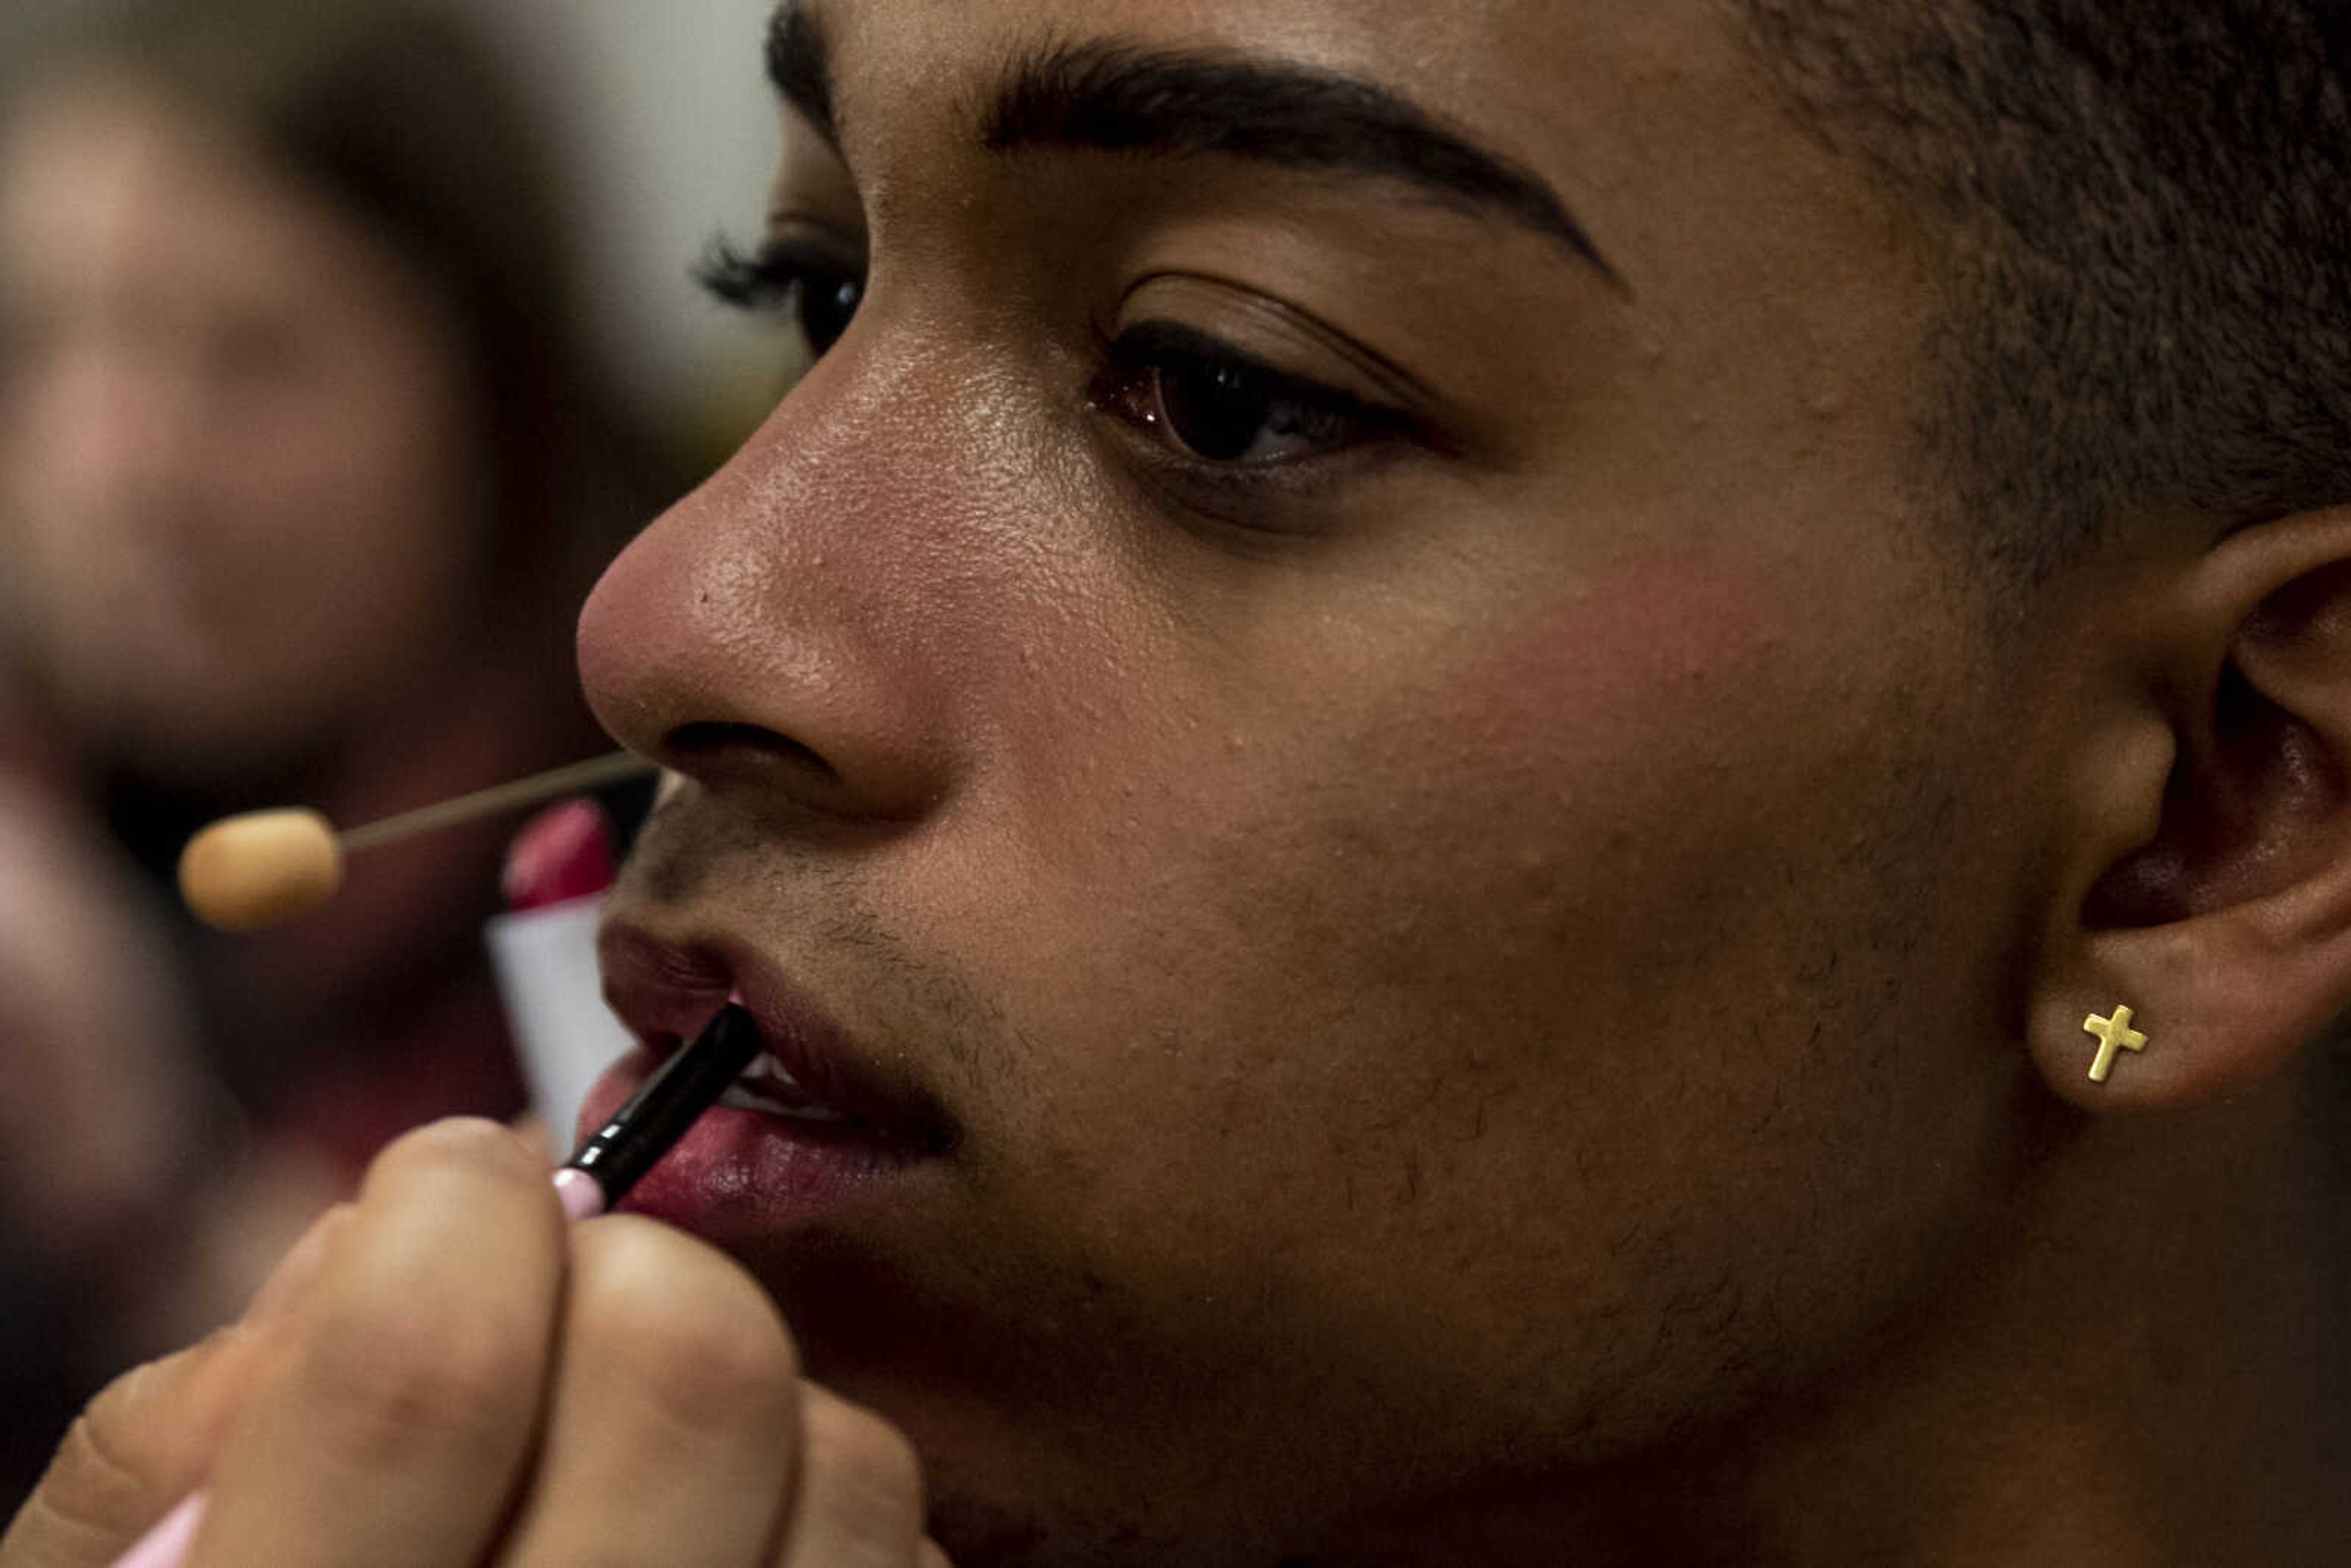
(1514, 985)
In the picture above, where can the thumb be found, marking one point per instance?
(149, 1438)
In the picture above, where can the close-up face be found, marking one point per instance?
(1340, 727)
(236, 490)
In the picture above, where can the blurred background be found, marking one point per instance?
(665, 132)
(341, 342)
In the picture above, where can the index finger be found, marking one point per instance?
(399, 1424)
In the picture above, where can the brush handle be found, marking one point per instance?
(657, 1115)
(574, 778)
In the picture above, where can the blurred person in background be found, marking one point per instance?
(301, 484)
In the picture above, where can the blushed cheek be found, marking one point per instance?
(1636, 728)
(1543, 815)
(1331, 1008)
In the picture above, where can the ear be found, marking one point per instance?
(2209, 887)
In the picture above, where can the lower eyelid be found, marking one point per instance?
(1248, 496)
(1120, 390)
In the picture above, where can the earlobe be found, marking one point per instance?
(2221, 1004)
(2227, 931)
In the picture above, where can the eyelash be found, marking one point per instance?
(819, 287)
(1157, 376)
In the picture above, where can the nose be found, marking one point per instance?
(779, 631)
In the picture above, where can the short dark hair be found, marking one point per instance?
(2146, 209)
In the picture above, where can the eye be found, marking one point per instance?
(1213, 403)
(818, 285)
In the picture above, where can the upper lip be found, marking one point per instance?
(667, 990)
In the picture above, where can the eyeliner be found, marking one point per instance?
(592, 1180)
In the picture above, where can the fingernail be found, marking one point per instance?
(167, 1544)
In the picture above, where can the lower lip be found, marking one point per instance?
(746, 1174)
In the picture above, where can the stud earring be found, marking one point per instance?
(2114, 1034)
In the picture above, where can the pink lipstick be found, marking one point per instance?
(652, 1120)
(824, 1122)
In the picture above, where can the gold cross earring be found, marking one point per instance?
(2114, 1034)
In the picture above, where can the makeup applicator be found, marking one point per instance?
(598, 1177)
(244, 873)
(249, 871)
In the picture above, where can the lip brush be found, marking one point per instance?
(592, 1181)
(652, 1120)
(248, 872)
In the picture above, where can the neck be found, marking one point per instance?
(2131, 1369)
(2135, 1373)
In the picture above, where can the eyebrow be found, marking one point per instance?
(1112, 98)
(799, 67)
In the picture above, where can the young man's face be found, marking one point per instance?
(1423, 934)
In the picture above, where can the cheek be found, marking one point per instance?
(376, 431)
(1448, 1000)
(351, 492)
(1358, 804)
(1482, 887)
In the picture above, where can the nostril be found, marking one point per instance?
(691, 746)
